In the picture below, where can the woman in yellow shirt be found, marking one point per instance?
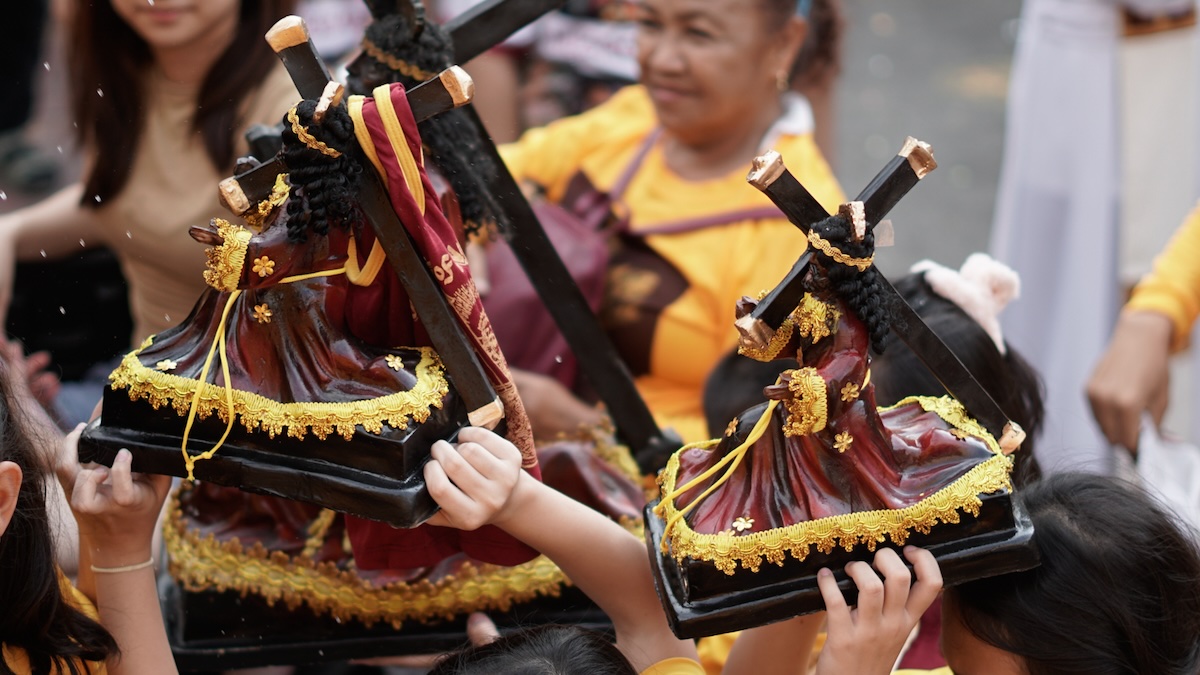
(677, 147)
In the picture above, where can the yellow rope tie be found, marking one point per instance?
(218, 346)
(307, 138)
(828, 249)
(399, 65)
(733, 459)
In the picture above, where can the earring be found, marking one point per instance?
(781, 81)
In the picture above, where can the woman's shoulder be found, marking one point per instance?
(272, 98)
(677, 665)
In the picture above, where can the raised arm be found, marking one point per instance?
(481, 482)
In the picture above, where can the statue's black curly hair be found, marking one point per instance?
(324, 188)
(452, 141)
(862, 291)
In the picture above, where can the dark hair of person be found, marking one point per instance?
(862, 291)
(454, 146)
(820, 57)
(108, 62)
(542, 650)
(735, 385)
(323, 188)
(1116, 593)
(37, 618)
(1008, 377)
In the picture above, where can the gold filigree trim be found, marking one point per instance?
(807, 407)
(279, 195)
(399, 65)
(225, 260)
(201, 563)
(837, 255)
(815, 318)
(259, 412)
(871, 528)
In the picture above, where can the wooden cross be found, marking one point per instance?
(477, 30)
(290, 40)
(913, 163)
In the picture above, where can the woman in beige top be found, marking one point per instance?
(162, 91)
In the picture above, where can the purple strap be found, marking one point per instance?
(687, 224)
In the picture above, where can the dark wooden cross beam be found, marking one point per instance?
(491, 22)
(452, 88)
(913, 163)
(289, 39)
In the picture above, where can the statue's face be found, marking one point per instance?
(365, 73)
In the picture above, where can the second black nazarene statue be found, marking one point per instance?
(819, 475)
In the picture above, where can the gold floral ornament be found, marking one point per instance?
(843, 441)
(225, 261)
(807, 407)
(742, 523)
(165, 365)
(395, 362)
(262, 313)
(733, 425)
(850, 392)
(263, 266)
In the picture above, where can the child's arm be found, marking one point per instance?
(782, 648)
(867, 640)
(481, 482)
(117, 512)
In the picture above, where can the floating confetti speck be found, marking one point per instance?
(46, 65)
(62, 310)
(99, 92)
(43, 252)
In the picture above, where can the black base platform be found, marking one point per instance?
(374, 476)
(701, 600)
(213, 631)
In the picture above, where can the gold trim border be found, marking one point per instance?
(200, 563)
(728, 551)
(258, 412)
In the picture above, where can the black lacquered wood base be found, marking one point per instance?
(701, 600)
(213, 631)
(373, 476)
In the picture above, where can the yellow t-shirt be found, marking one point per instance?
(16, 658)
(720, 264)
(677, 665)
(1173, 286)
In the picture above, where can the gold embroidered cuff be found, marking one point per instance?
(225, 261)
(399, 65)
(807, 408)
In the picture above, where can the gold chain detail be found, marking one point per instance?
(317, 530)
(225, 260)
(807, 408)
(396, 64)
(279, 195)
(307, 138)
(259, 412)
(828, 249)
(201, 563)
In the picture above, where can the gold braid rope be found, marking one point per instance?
(399, 65)
(828, 249)
(307, 138)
